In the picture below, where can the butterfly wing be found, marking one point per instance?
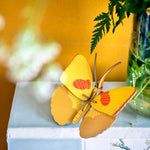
(77, 77)
(95, 122)
(112, 101)
(64, 105)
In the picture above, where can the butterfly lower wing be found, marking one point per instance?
(77, 77)
(95, 122)
(64, 105)
(112, 101)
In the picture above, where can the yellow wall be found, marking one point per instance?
(70, 23)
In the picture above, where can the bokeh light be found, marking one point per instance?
(30, 56)
(2, 22)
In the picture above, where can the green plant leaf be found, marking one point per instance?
(111, 9)
(101, 26)
(120, 11)
(148, 35)
(137, 6)
(128, 14)
(105, 20)
(120, 8)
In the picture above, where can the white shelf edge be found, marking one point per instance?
(65, 133)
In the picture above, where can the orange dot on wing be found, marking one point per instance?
(105, 98)
(82, 84)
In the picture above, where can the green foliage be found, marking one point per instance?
(121, 145)
(122, 9)
(105, 20)
(138, 73)
(148, 35)
(137, 6)
(100, 28)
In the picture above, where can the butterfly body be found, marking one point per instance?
(81, 112)
(78, 99)
(87, 105)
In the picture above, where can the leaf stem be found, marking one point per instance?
(141, 90)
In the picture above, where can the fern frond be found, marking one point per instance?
(120, 11)
(121, 8)
(105, 20)
(101, 16)
(111, 9)
(100, 29)
(137, 6)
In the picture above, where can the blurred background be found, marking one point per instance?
(38, 38)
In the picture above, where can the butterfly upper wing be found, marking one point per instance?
(64, 105)
(112, 101)
(77, 77)
(95, 122)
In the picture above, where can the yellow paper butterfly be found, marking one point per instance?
(77, 98)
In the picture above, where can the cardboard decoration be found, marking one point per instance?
(77, 98)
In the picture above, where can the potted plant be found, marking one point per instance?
(138, 73)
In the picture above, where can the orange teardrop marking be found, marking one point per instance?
(105, 98)
(82, 84)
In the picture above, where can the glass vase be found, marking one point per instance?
(138, 72)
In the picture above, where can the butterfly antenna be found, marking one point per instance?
(95, 72)
(105, 74)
